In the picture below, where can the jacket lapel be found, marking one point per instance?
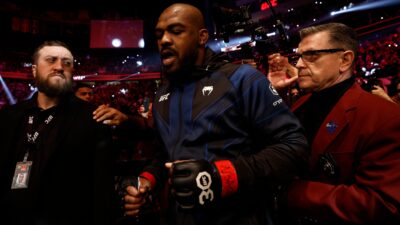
(336, 121)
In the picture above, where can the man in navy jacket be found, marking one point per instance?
(229, 139)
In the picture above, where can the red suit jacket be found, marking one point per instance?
(362, 133)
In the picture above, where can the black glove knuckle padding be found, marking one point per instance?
(191, 183)
(184, 173)
(184, 199)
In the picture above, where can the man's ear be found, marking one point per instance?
(203, 36)
(34, 70)
(347, 61)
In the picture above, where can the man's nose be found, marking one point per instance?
(300, 63)
(59, 64)
(165, 39)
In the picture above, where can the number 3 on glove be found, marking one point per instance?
(199, 182)
(204, 181)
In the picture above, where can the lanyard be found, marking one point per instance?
(32, 134)
(23, 169)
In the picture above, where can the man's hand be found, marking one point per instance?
(136, 197)
(377, 90)
(199, 183)
(281, 73)
(109, 115)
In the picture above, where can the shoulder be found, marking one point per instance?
(377, 105)
(79, 104)
(243, 69)
(78, 110)
(241, 73)
(370, 109)
(14, 110)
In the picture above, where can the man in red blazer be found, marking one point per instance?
(354, 171)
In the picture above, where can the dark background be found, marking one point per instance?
(26, 23)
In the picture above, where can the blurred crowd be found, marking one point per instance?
(378, 63)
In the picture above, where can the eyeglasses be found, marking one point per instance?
(312, 55)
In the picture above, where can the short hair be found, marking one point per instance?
(35, 55)
(81, 85)
(340, 34)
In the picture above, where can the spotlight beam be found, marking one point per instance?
(367, 6)
(9, 95)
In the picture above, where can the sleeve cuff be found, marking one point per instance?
(229, 179)
(150, 178)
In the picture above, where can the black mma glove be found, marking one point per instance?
(122, 182)
(198, 183)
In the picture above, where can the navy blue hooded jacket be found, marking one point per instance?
(231, 112)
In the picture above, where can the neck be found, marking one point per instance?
(46, 102)
(200, 58)
(344, 76)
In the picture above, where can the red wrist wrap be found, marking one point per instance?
(150, 178)
(229, 180)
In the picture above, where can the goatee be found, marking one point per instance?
(53, 89)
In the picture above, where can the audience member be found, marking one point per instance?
(396, 95)
(56, 161)
(109, 115)
(353, 174)
(382, 93)
(133, 136)
(84, 92)
(133, 133)
(229, 137)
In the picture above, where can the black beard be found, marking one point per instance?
(52, 90)
(184, 72)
